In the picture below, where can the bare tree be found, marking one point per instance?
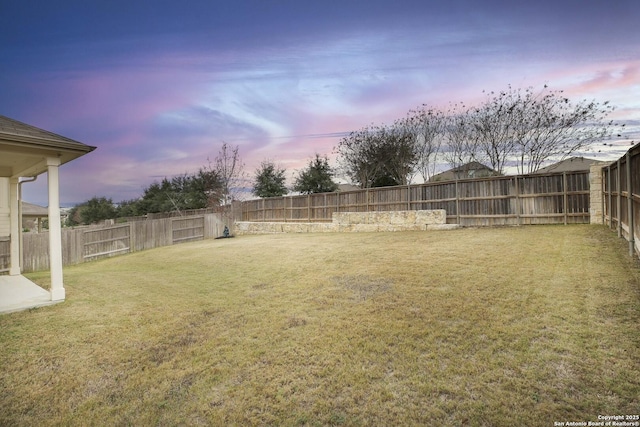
(525, 127)
(532, 128)
(513, 126)
(460, 146)
(229, 169)
(428, 128)
(549, 126)
(494, 124)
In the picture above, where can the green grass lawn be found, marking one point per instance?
(514, 326)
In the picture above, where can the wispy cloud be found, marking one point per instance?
(159, 89)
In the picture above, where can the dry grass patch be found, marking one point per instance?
(509, 326)
(363, 286)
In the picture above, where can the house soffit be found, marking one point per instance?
(24, 161)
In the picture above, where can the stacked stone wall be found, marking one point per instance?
(354, 222)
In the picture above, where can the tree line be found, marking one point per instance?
(215, 185)
(521, 128)
(212, 185)
(513, 127)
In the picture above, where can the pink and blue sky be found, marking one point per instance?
(158, 86)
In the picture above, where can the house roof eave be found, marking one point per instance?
(47, 144)
(25, 148)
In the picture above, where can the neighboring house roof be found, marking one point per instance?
(24, 147)
(34, 211)
(572, 164)
(468, 170)
(348, 187)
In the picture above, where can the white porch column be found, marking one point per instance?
(14, 217)
(55, 233)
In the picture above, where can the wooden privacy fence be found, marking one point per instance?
(507, 200)
(621, 188)
(90, 243)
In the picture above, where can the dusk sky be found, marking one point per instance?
(158, 86)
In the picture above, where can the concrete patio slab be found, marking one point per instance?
(19, 293)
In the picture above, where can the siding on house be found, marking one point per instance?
(572, 164)
(467, 171)
(5, 223)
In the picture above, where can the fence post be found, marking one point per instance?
(619, 200)
(408, 197)
(631, 224)
(264, 212)
(366, 193)
(565, 196)
(603, 187)
(284, 208)
(609, 196)
(308, 207)
(518, 220)
(132, 238)
(324, 210)
(457, 202)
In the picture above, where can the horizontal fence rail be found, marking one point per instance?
(187, 229)
(621, 197)
(107, 241)
(507, 200)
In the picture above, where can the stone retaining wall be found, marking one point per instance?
(346, 222)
